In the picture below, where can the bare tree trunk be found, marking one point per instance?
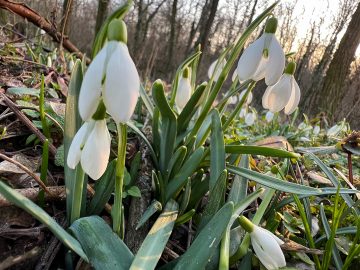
(101, 13)
(66, 22)
(171, 43)
(252, 13)
(332, 89)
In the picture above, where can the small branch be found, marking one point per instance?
(32, 16)
(57, 193)
(25, 169)
(22, 117)
(13, 260)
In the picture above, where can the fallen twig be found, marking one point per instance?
(12, 260)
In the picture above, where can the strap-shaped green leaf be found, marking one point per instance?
(155, 242)
(204, 245)
(38, 213)
(259, 150)
(217, 149)
(103, 247)
(186, 171)
(176, 161)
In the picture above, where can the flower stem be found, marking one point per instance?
(119, 179)
(77, 194)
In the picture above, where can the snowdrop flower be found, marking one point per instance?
(233, 100)
(316, 130)
(242, 112)
(284, 94)
(265, 244)
(302, 125)
(49, 62)
(269, 116)
(91, 147)
(249, 97)
(71, 64)
(250, 118)
(219, 67)
(264, 58)
(183, 93)
(112, 77)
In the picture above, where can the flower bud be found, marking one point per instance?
(117, 31)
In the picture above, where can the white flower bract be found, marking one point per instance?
(253, 64)
(267, 248)
(285, 94)
(120, 88)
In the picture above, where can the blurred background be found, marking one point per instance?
(324, 36)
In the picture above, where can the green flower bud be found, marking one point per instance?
(271, 25)
(290, 68)
(117, 31)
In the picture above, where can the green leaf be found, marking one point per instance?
(147, 101)
(176, 161)
(153, 246)
(190, 108)
(59, 156)
(103, 189)
(103, 247)
(154, 207)
(216, 199)
(21, 91)
(134, 191)
(135, 167)
(349, 201)
(205, 244)
(38, 213)
(259, 150)
(186, 171)
(198, 189)
(72, 124)
(101, 36)
(217, 149)
(273, 182)
(340, 231)
(142, 135)
(239, 184)
(168, 125)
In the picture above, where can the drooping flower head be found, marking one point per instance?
(265, 244)
(183, 92)
(269, 116)
(216, 68)
(111, 76)
(285, 94)
(264, 58)
(111, 84)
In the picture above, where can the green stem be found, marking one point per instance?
(44, 124)
(224, 251)
(43, 172)
(119, 180)
(307, 229)
(77, 193)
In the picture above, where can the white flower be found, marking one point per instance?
(250, 118)
(219, 67)
(91, 146)
(242, 112)
(269, 116)
(316, 130)
(264, 58)
(265, 244)
(233, 100)
(120, 89)
(249, 97)
(267, 248)
(333, 131)
(42, 32)
(302, 125)
(49, 62)
(234, 76)
(183, 93)
(284, 94)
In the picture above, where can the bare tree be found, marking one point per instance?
(103, 6)
(172, 43)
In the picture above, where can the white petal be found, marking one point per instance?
(316, 130)
(294, 98)
(269, 116)
(122, 85)
(250, 118)
(183, 93)
(265, 97)
(276, 63)
(242, 112)
(74, 154)
(250, 59)
(249, 98)
(95, 155)
(261, 69)
(268, 243)
(234, 76)
(90, 91)
(216, 69)
(279, 94)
